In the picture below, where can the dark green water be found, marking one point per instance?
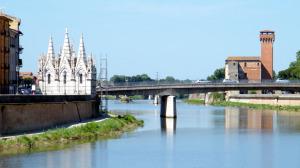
(201, 136)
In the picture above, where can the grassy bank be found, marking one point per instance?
(194, 101)
(257, 106)
(248, 105)
(58, 138)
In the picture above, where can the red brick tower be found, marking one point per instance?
(267, 38)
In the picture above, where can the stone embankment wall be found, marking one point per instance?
(285, 99)
(19, 114)
(197, 96)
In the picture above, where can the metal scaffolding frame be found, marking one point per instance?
(103, 83)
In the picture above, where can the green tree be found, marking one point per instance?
(169, 79)
(118, 78)
(219, 74)
(293, 71)
(122, 78)
(140, 78)
(274, 75)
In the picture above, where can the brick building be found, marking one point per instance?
(4, 54)
(9, 53)
(253, 68)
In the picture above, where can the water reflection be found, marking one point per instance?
(66, 159)
(252, 138)
(248, 118)
(168, 126)
(244, 118)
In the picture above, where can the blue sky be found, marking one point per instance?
(181, 38)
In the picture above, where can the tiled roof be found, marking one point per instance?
(9, 16)
(267, 31)
(240, 58)
(26, 74)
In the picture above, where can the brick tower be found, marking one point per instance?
(267, 38)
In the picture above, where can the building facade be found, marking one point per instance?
(243, 68)
(267, 38)
(67, 73)
(253, 68)
(10, 50)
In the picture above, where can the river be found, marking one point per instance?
(200, 137)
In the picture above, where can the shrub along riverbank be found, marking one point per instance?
(62, 137)
(248, 105)
(194, 101)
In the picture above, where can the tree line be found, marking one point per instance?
(118, 79)
(293, 71)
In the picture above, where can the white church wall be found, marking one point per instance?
(65, 70)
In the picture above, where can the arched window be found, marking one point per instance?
(49, 78)
(80, 78)
(65, 77)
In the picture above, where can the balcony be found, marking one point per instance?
(20, 49)
(20, 62)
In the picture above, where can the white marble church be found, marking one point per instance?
(66, 73)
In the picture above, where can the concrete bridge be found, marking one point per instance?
(167, 92)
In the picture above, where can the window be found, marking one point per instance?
(258, 64)
(245, 64)
(65, 77)
(80, 78)
(49, 78)
(234, 64)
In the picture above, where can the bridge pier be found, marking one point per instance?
(231, 93)
(156, 100)
(207, 98)
(168, 106)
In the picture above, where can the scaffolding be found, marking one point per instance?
(103, 84)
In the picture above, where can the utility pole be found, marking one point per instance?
(157, 81)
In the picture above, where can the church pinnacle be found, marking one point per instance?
(66, 51)
(81, 53)
(50, 53)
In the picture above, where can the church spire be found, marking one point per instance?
(81, 53)
(66, 51)
(50, 53)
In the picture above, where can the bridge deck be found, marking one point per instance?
(198, 88)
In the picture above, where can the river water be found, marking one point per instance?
(200, 137)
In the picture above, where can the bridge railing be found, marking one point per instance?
(148, 83)
(194, 82)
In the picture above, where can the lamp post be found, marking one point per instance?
(157, 81)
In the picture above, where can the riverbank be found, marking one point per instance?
(62, 137)
(194, 101)
(248, 105)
